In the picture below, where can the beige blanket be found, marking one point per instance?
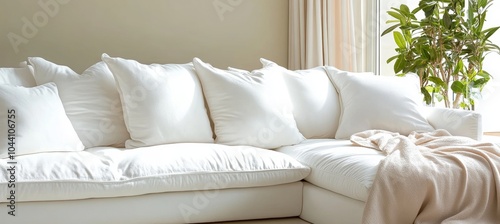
(432, 178)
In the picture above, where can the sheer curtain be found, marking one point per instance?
(340, 33)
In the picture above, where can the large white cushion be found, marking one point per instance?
(36, 120)
(378, 102)
(90, 100)
(457, 122)
(316, 107)
(113, 172)
(249, 109)
(161, 103)
(17, 77)
(337, 165)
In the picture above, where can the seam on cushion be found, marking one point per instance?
(163, 176)
(341, 102)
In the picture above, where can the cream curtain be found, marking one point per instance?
(340, 33)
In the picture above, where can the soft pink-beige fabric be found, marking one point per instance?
(432, 178)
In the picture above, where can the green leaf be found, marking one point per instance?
(470, 15)
(479, 83)
(493, 46)
(482, 3)
(420, 62)
(481, 23)
(404, 8)
(463, 105)
(432, 89)
(425, 52)
(458, 67)
(400, 40)
(458, 87)
(396, 15)
(407, 35)
(400, 64)
(484, 74)
(392, 59)
(427, 96)
(390, 29)
(392, 21)
(414, 11)
(428, 7)
(489, 32)
(447, 20)
(438, 81)
(429, 11)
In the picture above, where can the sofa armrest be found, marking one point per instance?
(457, 122)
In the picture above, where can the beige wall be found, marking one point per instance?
(76, 32)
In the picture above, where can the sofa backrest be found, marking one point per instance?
(313, 96)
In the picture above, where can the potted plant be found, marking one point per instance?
(445, 47)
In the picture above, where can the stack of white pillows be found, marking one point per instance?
(123, 103)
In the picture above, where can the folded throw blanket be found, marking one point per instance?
(432, 178)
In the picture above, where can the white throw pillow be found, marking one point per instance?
(17, 77)
(237, 70)
(248, 109)
(33, 121)
(161, 103)
(378, 102)
(91, 101)
(315, 101)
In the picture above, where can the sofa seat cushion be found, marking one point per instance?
(337, 165)
(114, 172)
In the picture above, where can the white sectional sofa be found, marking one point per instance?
(126, 142)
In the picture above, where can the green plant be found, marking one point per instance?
(445, 48)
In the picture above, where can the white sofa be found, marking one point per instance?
(125, 142)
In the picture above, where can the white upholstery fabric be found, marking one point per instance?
(161, 103)
(321, 206)
(36, 118)
(378, 102)
(248, 109)
(90, 100)
(456, 122)
(337, 165)
(112, 172)
(17, 77)
(275, 201)
(315, 101)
